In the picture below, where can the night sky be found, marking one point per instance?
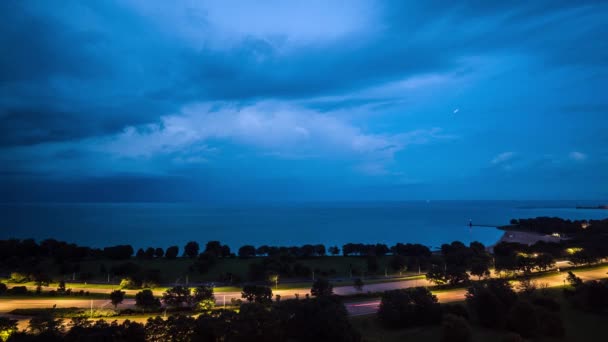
(219, 101)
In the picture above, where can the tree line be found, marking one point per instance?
(321, 316)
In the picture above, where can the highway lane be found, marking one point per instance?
(356, 308)
(288, 293)
(371, 306)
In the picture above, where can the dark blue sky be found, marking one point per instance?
(316, 100)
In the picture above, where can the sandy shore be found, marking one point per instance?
(526, 238)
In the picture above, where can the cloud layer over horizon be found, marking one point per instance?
(315, 100)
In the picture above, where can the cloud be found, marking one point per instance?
(577, 156)
(276, 128)
(503, 158)
(222, 24)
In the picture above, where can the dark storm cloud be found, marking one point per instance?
(36, 48)
(415, 39)
(74, 71)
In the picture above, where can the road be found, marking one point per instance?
(371, 306)
(358, 308)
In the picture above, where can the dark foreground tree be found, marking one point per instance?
(322, 288)
(116, 297)
(455, 329)
(177, 296)
(490, 301)
(409, 307)
(257, 293)
(523, 319)
(85, 330)
(7, 327)
(145, 300)
(203, 298)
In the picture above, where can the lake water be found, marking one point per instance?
(164, 224)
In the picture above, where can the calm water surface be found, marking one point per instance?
(164, 224)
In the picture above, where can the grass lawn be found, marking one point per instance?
(176, 270)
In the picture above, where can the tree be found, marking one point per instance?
(116, 297)
(149, 254)
(273, 279)
(61, 286)
(545, 261)
(262, 250)
(480, 268)
(437, 275)
(172, 252)
(334, 250)
(177, 296)
(523, 319)
(204, 262)
(7, 328)
(158, 252)
(491, 301)
(526, 286)
(358, 284)
(129, 284)
(145, 300)
(457, 258)
(381, 249)
(46, 326)
(398, 263)
(372, 264)
(203, 298)
(551, 324)
(573, 280)
(118, 252)
(321, 288)
(191, 249)
(246, 251)
(140, 254)
(480, 261)
(258, 294)
(455, 329)
(409, 307)
(319, 250)
(85, 330)
(315, 319)
(214, 248)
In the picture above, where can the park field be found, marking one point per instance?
(179, 270)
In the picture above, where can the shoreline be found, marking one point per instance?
(522, 237)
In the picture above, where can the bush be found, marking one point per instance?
(18, 290)
(455, 329)
(17, 277)
(130, 284)
(3, 288)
